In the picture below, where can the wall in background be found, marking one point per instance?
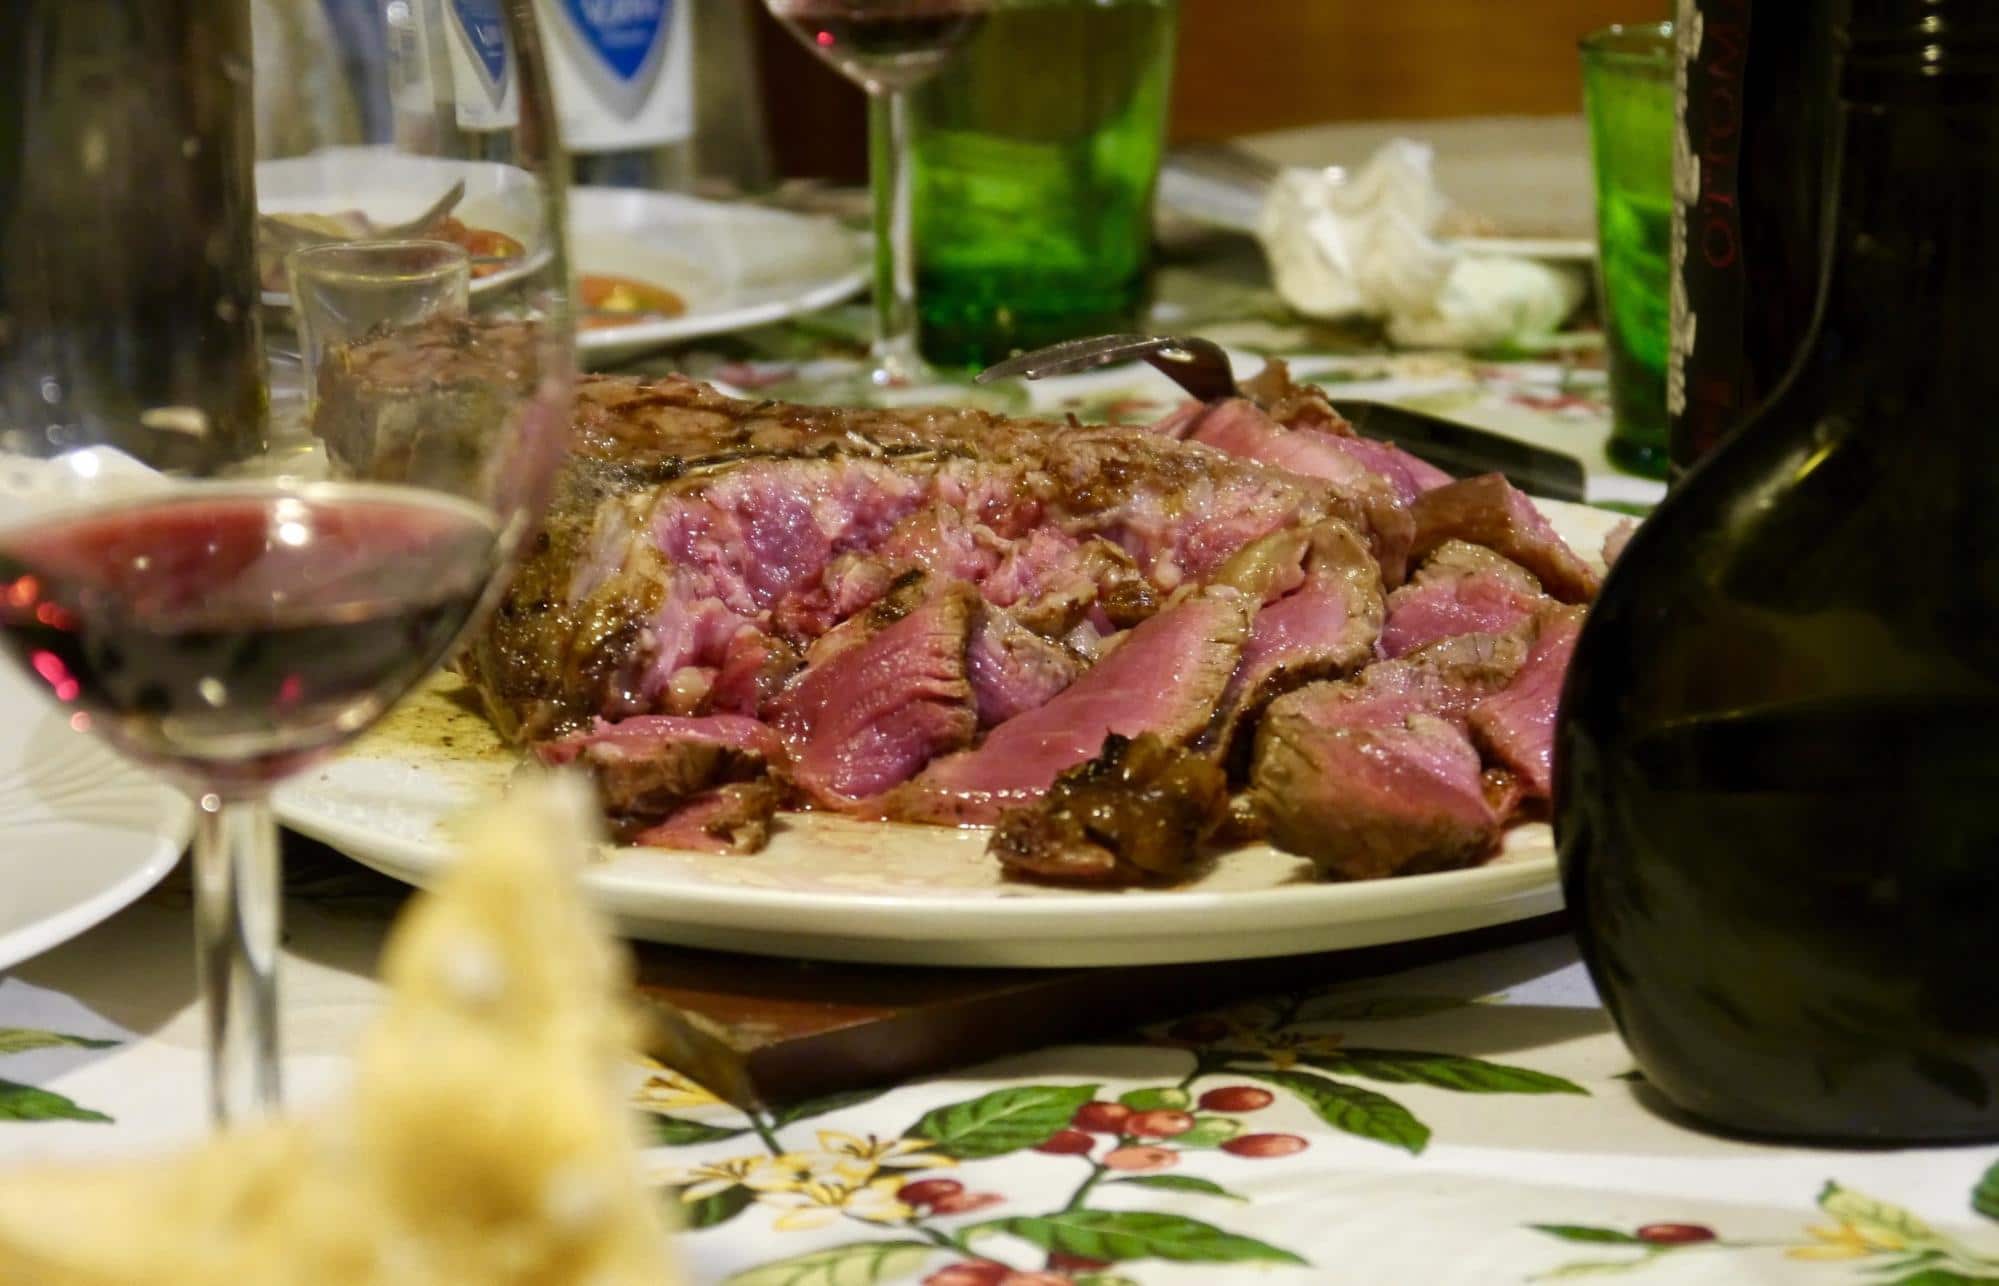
(1252, 65)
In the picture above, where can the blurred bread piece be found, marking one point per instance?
(486, 1139)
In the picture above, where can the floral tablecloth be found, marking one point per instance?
(1476, 1121)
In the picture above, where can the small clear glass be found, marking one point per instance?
(344, 291)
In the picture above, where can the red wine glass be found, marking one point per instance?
(887, 47)
(222, 570)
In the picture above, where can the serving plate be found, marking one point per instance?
(834, 888)
(82, 833)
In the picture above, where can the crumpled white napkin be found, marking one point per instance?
(1362, 243)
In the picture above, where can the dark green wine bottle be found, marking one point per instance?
(1777, 795)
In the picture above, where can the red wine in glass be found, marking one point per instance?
(882, 46)
(235, 633)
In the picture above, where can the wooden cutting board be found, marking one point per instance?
(760, 1031)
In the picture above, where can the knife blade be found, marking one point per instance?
(1464, 451)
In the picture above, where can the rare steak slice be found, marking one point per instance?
(645, 769)
(1012, 669)
(1322, 629)
(874, 714)
(1516, 726)
(1241, 428)
(1376, 775)
(1137, 813)
(1488, 510)
(1365, 800)
(1164, 677)
(1461, 589)
(728, 819)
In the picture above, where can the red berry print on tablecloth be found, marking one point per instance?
(927, 1192)
(959, 1203)
(1675, 1234)
(1237, 1098)
(1264, 1145)
(1101, 1118)
(1141, 1160)
(1067, 1143)
(1159, 1124)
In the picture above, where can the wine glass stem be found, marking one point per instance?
(894, 351)
(236, 912)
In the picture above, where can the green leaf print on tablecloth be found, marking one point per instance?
(20, 1102)
(19, 1040)
(1003, 1121)
(27, 1103)
(1116, 1236)
(1353, 1109)
(1444, 1071)
(1180, 1183)
(1985, 1197)
(860, 1265)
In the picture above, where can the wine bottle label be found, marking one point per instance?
(482, 72)
(1706, 369)
(622, 70)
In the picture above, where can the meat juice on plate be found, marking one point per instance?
(242, 628)
(886, 44)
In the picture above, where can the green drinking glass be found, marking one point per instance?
(1035, 157)
(1628, 98)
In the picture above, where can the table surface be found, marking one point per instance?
(1473, 1121)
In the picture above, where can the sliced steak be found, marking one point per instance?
(1376, 775)
(1165, 678)
(681, 518)
(1461, 589)
(1241, 428)
(1408, 474)
(1517, 725)
(1488, 510)
(1365, 800)
(1321, 630)
(729, 819)
(754, 670)
(1137, 813)
(1012, 669)
(871, 716)
(645, 769)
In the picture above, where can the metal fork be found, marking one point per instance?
(1196, 365)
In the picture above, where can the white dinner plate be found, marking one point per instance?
(82, 833)
(837, 889)
(736, 266)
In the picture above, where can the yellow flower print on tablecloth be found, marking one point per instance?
(808, 1189)
(1845, 1241)
(665, 1090)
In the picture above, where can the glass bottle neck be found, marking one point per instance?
(1914, 229)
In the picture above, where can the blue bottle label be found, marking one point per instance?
(619, 48)
(485, 34)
